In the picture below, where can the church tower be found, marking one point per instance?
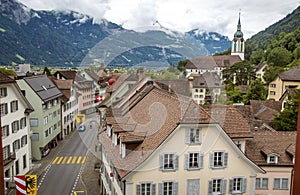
(238, 42)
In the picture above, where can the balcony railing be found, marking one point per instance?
(11, 157)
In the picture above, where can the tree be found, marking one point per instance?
(287, 119)
(279, 56)
(47, 71)
(8, 72)
(256, 91)
(271, 72)
(257, 56)
(181, 65)
(242, 73)
(234, 95)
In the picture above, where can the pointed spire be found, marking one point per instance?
(238, 33)
(239, 22)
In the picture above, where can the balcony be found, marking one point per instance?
(11, 157)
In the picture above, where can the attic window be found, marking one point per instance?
(272, 159)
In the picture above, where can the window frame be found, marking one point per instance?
(281, 184)
(14, 106)
(259, 183)
(171, 159)
(198, 156)
(4, 109)
(214, 183)
(3, 90)
(173, 190)
(152, 187)
(219, 159)
(195, 132)
(237, 182)
(5, 129)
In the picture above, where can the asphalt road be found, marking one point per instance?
(62, 176)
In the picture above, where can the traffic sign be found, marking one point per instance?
(80, 118)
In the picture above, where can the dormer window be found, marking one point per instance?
(272, 159)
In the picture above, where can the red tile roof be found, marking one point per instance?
(155, 113)
(231, 120)
(267, 142)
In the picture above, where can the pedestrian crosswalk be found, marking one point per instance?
(68, 160)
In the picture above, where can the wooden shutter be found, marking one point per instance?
(223, 186)
(175, 161)
(200, 162)
(210, 186)
(244, 185)
(200, 136)
(160, 188)
(161, 162)
(187, 136)
(186, 161)
(175, 189)
(153, 188)
(225, 159)
(230, 186)
(138, 189)
(211, 160)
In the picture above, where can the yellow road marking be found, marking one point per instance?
(79, 159)
(54, 161)
(74, 159)
(64, 161)
(81, 191)
(69, 160)
(60, 159)
(84, 159)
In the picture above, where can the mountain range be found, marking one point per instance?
(72, 39)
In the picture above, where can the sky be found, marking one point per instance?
(178, 15)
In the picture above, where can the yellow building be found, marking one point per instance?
(163, 143)
(287, 79)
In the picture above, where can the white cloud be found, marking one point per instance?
(218, 15)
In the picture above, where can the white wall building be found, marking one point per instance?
(15, 110)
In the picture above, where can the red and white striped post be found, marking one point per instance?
(20, 182)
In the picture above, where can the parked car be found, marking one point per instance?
(81, 128)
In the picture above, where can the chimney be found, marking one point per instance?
(140, 73)
(191, 79)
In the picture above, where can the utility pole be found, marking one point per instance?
(296, 179)
(1, 160)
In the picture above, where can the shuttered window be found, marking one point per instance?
(193, 136)
(218, 159)
(168, 188)
(146, 189)
(168, 162)
(237, 185)
(217, 186)
(193, 161)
